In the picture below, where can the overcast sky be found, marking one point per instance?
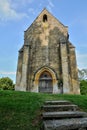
(17, 15)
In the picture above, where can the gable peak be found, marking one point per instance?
(45, 11)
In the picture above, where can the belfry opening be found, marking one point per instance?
(44, 18)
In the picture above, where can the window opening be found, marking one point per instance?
(44, 18)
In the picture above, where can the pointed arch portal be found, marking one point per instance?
(45, 80)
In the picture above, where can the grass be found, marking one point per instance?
(21, 110)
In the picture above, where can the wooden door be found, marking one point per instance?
(45, 83)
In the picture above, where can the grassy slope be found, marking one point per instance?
(21, 110)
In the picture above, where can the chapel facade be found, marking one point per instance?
(47, 59)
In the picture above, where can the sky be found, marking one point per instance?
(17, 15)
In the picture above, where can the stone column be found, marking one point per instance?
(24, 80)
(19, 71)
(64, 62)
(74, 71)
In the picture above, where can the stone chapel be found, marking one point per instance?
(47, 59)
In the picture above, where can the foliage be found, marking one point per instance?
(83, 87)
(6, 83)
(22, 110)
(82, 74)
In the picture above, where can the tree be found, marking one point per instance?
(83, 87)
(6, 84)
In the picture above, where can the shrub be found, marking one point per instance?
(6, 84)
(83, 87)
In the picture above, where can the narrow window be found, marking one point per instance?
(44, 18)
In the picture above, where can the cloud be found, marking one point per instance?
(26, 1)
(50, 5)
(20, 3)
(83, 45)
(81, 60)
(32, 10)
(7, 12)
(79, 20)
(7, 73)
(73, 22)
(82, 56)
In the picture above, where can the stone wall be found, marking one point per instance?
(42, 48)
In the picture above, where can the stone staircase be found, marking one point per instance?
(63, 115)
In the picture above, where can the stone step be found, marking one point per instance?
(65, 124)
(60, 102)
(64, 114)
(52, 108)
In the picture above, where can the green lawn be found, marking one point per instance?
(21, 110)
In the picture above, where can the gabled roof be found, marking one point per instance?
(52, 15)
(45, 10)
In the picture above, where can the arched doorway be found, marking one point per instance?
(45, 82)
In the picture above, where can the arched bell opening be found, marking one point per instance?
(45, 82)
(44, 18)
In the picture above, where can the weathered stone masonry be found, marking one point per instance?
(47, 60)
